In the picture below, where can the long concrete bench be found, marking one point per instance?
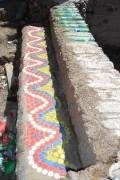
(45, 140)
(92, 88)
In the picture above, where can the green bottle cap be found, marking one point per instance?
(2, 147)
(9, 166)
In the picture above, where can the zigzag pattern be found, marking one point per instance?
(46, 132)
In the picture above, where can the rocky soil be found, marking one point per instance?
(10, 40)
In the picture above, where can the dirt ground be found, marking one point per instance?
(10, 39)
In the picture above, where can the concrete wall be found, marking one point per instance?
(91, 85)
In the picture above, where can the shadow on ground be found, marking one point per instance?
(103, 19)
(69, 145)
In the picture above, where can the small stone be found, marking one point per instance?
(73, 175)
(102, 178)
(83, 176)
(114, 171)
(9, 72)
(118, 156)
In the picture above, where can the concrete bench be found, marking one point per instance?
(45, 140)
(92, 88)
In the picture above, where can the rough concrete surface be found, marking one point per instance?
(23, 169)
(45, 140)
(91, 85)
